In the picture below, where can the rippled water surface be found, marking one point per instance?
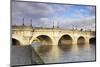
(65, 53)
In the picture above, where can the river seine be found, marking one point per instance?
(65, 53)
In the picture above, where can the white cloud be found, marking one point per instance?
(86, 23)
(40, 12)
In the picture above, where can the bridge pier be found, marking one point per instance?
(74, 41)
(74, 44)
(55, 41)
(87, 40)
(87, 45)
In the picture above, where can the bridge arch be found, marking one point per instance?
(65, 40)
(15, 42)
(43, 39)
(92, 40)
(81, 40)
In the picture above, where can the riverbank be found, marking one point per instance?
(24, 55)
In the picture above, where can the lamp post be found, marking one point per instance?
(31, 22)
(23, 22)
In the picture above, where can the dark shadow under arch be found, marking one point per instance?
(65, 42)
(15, 42)
(92, 40)
(44, 39)
(81, 40)
(45, 44)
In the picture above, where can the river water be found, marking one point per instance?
(65, 53)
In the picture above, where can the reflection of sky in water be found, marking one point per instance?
(55, 54)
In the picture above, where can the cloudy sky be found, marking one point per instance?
(46, 15)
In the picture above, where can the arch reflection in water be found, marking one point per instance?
(65, 42)
(42, 49)
(15, 42)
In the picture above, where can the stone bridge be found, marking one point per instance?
(26, 35)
